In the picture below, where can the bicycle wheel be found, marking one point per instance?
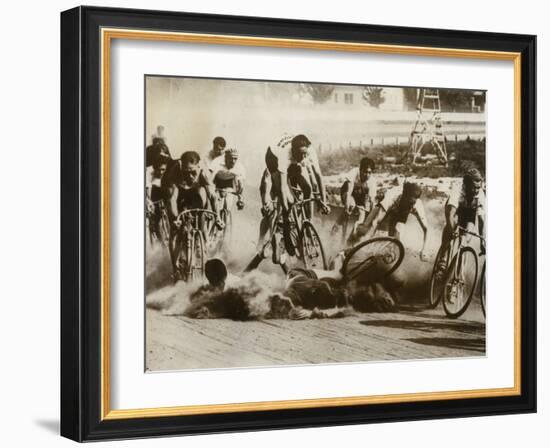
(164, 229)
(180, 251)
(460, 282)
(373, 259)
(482, 289)
(311, 248)
(198, 257)
(439, 276)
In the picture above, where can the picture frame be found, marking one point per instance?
(86, 176)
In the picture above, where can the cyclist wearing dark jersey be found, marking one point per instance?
(395, 208)
(188, 186)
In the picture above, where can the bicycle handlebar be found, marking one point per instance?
(196, 211)
(227, 190)
(463, 230)
(305, 201)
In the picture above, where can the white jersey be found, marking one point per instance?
(368, 186)
(218, 164)
(283, 153)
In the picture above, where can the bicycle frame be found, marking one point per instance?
(190, 222)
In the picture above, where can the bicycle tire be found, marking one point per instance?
(198, 260)
(394, 262)
(178, 249)
(310, 235)
(434, 301)
(463, 306)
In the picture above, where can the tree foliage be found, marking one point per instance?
(320, 93)
(374, 96)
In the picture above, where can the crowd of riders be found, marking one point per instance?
(292, 173)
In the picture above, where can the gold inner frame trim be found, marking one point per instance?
(107, 35)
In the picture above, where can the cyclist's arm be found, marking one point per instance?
(210, 190)
(168, 185)
(421, 217)
(481, 225)
(172, 203)
(320, 183)
(148, 182)
(371, 223)
(450, 216)
(371, 196)
(347, 191)
(265, 186)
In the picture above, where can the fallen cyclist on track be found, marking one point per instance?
(352, 283)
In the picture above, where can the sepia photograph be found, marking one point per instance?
(298, 223)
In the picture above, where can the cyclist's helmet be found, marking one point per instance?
(233, 152)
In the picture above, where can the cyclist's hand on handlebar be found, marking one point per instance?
(349, 209)
(219, 223)
(325, 209)
(240, 204)
(150, 206)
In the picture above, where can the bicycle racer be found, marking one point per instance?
(465, 207)
(229, 175)
(358, 189)
(218, 147)
(154, 193)
(395, 208)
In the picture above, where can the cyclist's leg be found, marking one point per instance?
(344, 216)
(266, 224)
(362, 199)
(307, 191)
(446, 238)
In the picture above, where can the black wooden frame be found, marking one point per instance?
(81, 223)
